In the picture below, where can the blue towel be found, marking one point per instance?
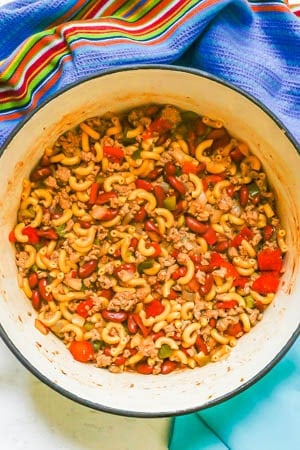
(46, 45)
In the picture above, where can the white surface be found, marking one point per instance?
(33, 416)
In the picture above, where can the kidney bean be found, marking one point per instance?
(40, 173)
(230, 190)
(134, 243)
(47, 234)
(42, 284)
(120, 360)
(127, 267)
(168, 366)
(206, 287)
(45, 161)
(36, 299)
(178, 273)
(221, 246)
(154, 174)
(200, 127)
(256, 199)
(150, 226)
(33, 280)
(177, 184)
(131, 324)
(100, 212)
(107, 293)
(160, 195)
(85, 224)
(268, 232)
(144, 368)
(194, 225)
(140, 215)
(180, 207)
(170, 169)
(216, 133)
(105, 197)
(236, 155)
(87, 268)
(114, 316)
(155, 336)
(244, 196)
(143, 184)
(221, 142)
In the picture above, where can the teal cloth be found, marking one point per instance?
(263, 417)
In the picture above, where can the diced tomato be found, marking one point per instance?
(173, 295)
(228, 304)
(12, 237)
(82, 351)
(115, 153)
(84, 307)
(210, 236)
(245, 233)
(240, 282)
(266, 283)
(234, 329)
(189, 167)
(270, 259)
(154, 308)
(194, 285)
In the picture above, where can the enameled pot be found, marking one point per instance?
(258, 351)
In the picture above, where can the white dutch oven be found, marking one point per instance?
(189, 390)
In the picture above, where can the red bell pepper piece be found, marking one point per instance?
(216, 260)
(270, 259)
(154, 308)
(31, 232)
(266, 283)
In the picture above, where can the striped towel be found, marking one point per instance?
(46, 45)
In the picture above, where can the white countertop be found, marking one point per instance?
(33, 416)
